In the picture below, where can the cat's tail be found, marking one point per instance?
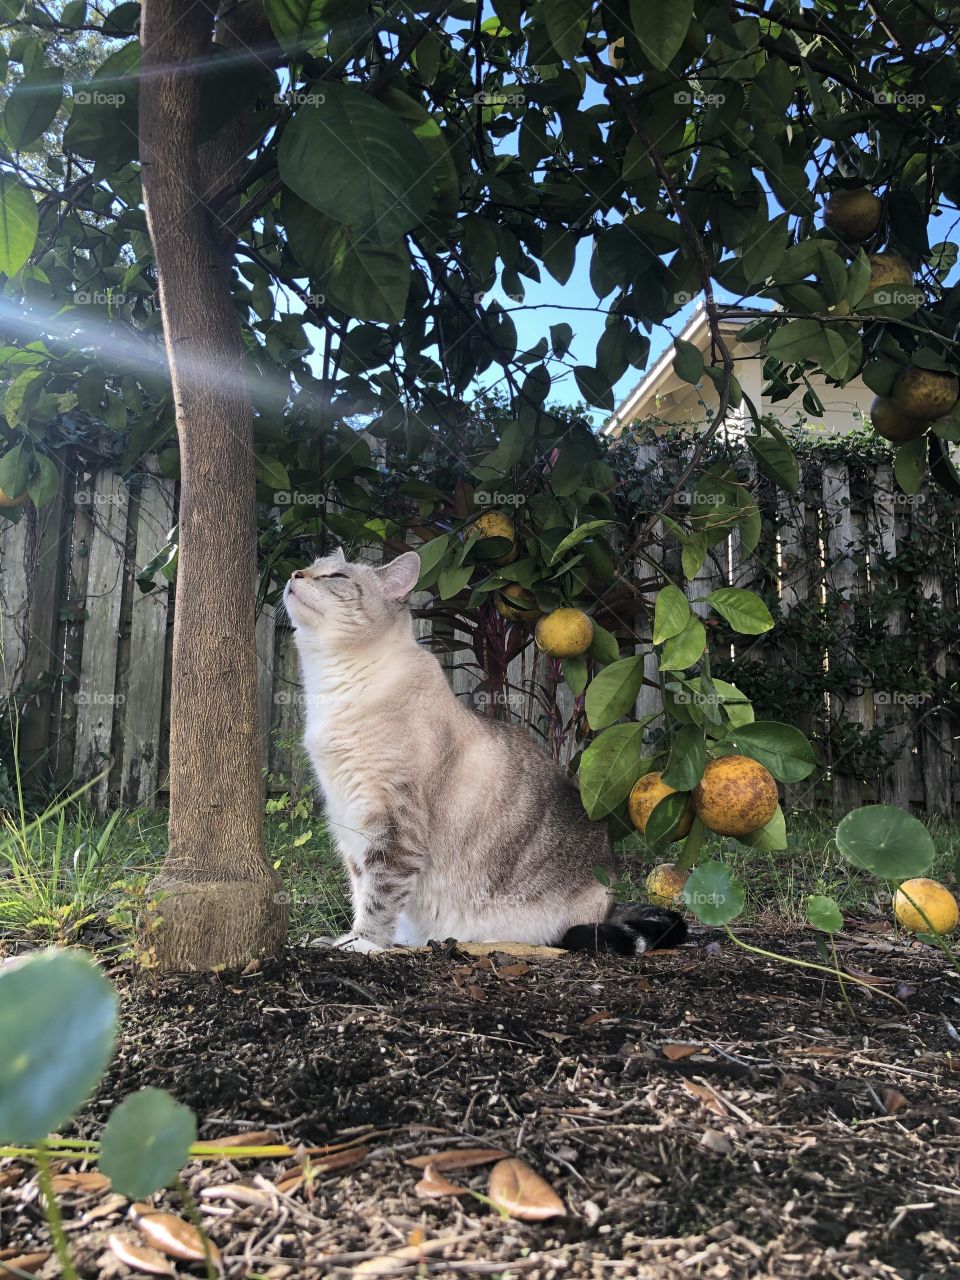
(628, 930)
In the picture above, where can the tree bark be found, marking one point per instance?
(219, 900)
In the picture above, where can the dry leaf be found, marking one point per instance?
(893, 1100)
(10, 1178)
(603, 1016)
(31, 1262)
(484, 963)
(519, 1191)
(140, 1257)
(238, 1192)
(172, 1235)
(416, 1236)
(255, 1138)
(385, 1263)
(105, 1208)
(476, 993)
(457, 1158)
(676, 1052)
(513, 971)
(433, 1185)
(339, 1160)
(84, 1182)
(715, 1141)
(705, 1095)
(289, 1183)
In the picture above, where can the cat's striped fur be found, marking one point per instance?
(448, 824)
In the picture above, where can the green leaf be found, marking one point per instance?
(610, 766)
(776, 460)
(671, 613)
(561, 335)
(780, 748)
(594, 387)
(685, 649)
(604, 647)
(146, 1142)
(613, 691)
(735, 703)
(272, 473)
(771, 838)
(452, 581)
(795, 341)
(688, 362)
(582, 531)
(664, 820)
(688, 757)
(58, 1017)
(823, 913)
(367, 281)
(432, 554)
(888, 841)
(566, 22)
(558, 255)
(661, 31)
(714, 894)
(575, 673)
(349, 156)
(33, 103)
(45, 482)
(19, 220)
(693, 554)
(744, 610)
(910, 465)
(298, 24)
(16, 468)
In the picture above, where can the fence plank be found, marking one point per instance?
(896, 781)
(139, 771)
(841, 571)
(98, 667)
(798, 585)
(935, 737)
(15, 548)
(266, 639)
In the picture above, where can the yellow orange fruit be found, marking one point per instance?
(934, 899)
(494, 524)
(888, 269)
(665, 885)
(564, 633)
(517, 604)
(735, 796)
(925, 393)
(891, 423)
(647, 793)
(10, 504)
(852, 215)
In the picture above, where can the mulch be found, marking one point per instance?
(701, 1113)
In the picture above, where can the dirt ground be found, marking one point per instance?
(702, 1113)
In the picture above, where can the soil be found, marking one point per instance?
(701, 1113)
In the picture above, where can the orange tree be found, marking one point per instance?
(291, 224)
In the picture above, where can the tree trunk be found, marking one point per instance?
(220, 904)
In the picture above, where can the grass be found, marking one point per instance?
(69, 877)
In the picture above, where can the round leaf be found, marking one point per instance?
(887, 841)
(57, 1025)
(350, 157)
(146, 1141)
(714, 894)
(823, 913)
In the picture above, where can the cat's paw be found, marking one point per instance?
(353, 942)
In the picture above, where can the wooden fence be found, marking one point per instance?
(88, 653)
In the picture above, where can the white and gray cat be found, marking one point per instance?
(448, 824)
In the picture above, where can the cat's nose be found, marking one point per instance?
(298, 573)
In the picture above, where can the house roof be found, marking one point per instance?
(661, 378)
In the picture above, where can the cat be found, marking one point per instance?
(448, 824)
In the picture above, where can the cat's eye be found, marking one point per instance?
(334, 575)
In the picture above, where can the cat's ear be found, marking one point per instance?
(399, 577)
(337, 554)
